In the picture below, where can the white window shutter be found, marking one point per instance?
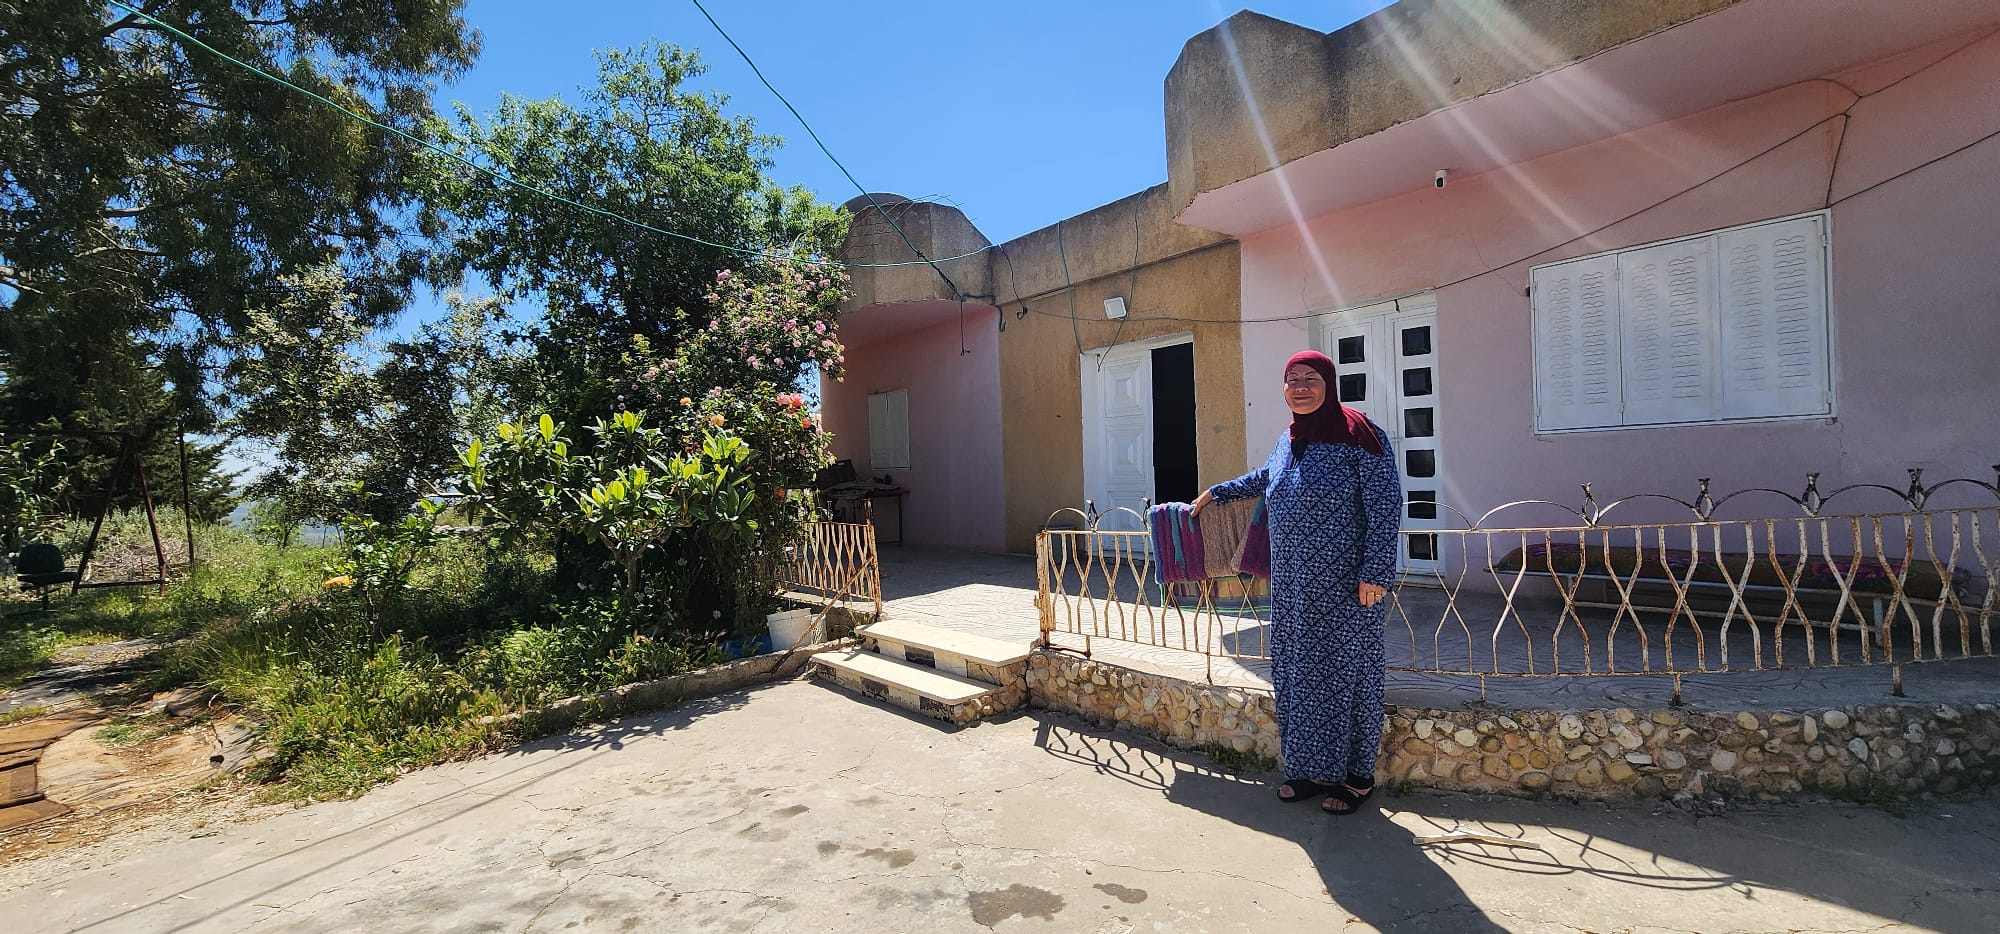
(1774, 320)
(1668, 296)
(1577, 378)
(889, 430)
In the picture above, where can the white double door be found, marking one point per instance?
(1385, 357)
(1118, 468)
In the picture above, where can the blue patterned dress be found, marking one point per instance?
(1334, 516)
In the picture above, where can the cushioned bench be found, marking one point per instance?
(1870, 582)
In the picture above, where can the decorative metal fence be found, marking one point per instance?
(1593, 596)
(835, 563)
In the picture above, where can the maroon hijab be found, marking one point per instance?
(1331, 423)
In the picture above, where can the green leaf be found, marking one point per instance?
(548, 426)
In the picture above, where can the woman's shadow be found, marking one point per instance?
(1366, 863)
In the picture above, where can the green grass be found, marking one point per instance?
(1880, 794)
(19, 714)
(349, 692)
(1233, 762)
(236, 576)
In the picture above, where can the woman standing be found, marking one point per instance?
(1335, 504)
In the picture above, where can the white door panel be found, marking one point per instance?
(1118, 440)
(1385, 357)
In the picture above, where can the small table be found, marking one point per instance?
(847, 501)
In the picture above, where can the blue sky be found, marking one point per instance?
(1021, 114)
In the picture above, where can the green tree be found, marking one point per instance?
(155, 198)
(358, 425)
(639, 146)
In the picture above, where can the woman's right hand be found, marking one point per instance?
(1201, 502)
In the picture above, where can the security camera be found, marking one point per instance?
(1439, 180)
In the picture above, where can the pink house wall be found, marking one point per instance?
(1915, 271)
(954, 477)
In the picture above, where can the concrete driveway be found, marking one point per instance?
(795, 808)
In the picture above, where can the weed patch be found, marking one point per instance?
(1236, 763)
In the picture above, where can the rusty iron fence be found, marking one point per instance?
(1593, 594)
(835, 563)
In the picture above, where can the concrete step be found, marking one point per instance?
(925, 690)
(977, 657)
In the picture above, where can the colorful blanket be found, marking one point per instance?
(1227, 539)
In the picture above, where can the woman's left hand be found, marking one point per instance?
(1371, 594)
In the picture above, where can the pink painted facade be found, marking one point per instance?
(1915, 276)
(954, 477)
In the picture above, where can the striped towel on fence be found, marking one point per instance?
(1228, 539)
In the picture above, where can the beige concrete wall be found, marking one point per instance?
(1186, 281)
(939, 230)
(1315, 91)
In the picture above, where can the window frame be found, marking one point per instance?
(904, 448)
(1829, 320)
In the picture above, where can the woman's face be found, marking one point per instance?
(1305, 389)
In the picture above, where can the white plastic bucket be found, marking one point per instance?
(787, 627)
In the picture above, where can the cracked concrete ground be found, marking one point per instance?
(795, 808)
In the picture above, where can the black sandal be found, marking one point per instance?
(1303, 789)
(1348, 795)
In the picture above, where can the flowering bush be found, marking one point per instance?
(773, 321)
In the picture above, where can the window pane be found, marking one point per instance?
(1422, 547)
(1417, 423)
(1353, 349)
(1354, 387)
(1416, 341)
(1417, 381)
(1420, 463)
(1423, 504)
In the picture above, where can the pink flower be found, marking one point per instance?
(819, 327)
(721, 275)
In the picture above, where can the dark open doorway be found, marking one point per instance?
(1175, 477)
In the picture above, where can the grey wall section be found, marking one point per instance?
(1315, 91)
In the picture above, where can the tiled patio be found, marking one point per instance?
(994, 596)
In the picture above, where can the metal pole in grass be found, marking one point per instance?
(187, 513)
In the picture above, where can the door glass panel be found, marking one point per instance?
(1354, 387)
(1423, 504)
(1353, 349)
(1420, 463)
(1416, 341)
(1422, 547)
(1417, 381)
(1417, 423)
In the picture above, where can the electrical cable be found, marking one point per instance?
(1602, 227)
(506, 179)
(759, 72)
(1132, 287)
(1074, 334)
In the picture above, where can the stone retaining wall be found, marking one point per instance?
(1606, 754)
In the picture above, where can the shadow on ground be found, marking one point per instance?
(1372, 868)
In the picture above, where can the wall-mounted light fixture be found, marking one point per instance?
(1114, 307)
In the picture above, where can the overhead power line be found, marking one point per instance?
(509, 180)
